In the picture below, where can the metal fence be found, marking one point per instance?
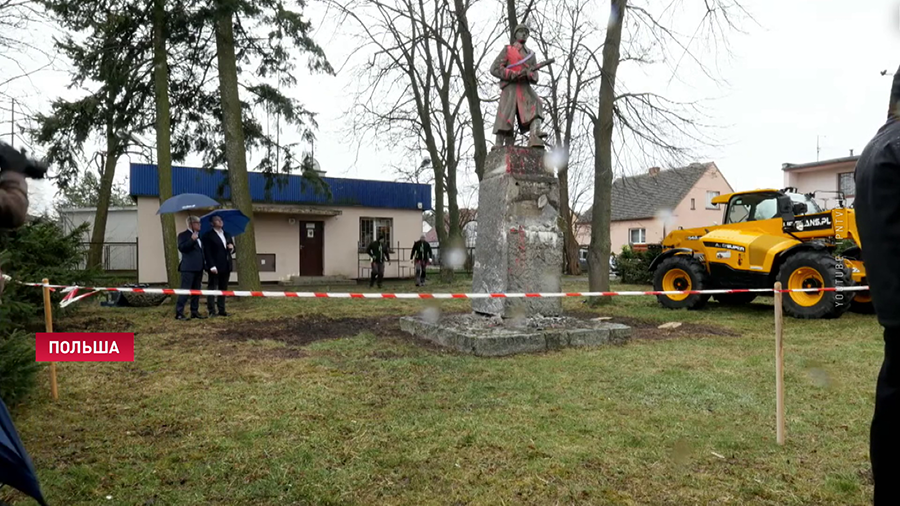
(117, 256)
(400, 266)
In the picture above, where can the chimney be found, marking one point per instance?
(654, 171)
(851, 152)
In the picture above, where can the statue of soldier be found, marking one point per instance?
(518, 101)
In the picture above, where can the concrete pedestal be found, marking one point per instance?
(519, 247)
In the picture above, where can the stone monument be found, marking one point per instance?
(519, 247)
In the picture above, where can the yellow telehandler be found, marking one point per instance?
(766, 236)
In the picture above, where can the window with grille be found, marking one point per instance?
(847, 184)
(371, 228)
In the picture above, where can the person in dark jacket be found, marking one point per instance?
(13, 204)
(421, 255)
(191, 267)
(877, 205)
(378, 253)
(218, 245)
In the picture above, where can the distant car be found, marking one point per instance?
(583, 263)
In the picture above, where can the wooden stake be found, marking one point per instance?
(779, 364)
(48, 322)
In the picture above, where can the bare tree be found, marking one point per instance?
(565, 29)
(411, 94)
(648, 125)
(512, 11)
(16, 19)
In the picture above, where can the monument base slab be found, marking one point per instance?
(495, 336)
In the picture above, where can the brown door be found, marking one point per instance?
(312, 248)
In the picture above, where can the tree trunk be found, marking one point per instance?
(439, 218)
(470, 83)
(454, 234)
(235, 152)
(98, 236)
(598, 256)
(570, 242)
(511, 17)
(163, 141)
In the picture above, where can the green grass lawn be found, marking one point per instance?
(338, 407)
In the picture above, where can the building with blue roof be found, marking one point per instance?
(301, 230)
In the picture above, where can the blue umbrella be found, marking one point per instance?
(233, 221)
(16, 469)
(186, 202)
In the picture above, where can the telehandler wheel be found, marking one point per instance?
(680, 273)
(814, 269)
(735, 299)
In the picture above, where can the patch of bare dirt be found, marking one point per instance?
(301, 331)
(242, 353)
(646, 329)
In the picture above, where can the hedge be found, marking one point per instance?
(633, 267)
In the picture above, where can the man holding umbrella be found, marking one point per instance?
(191, 267)
(219, 245)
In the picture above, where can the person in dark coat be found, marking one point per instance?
(191, 267)
(378, 253)
(421, 255)
(13, 204)
(877, 206)
(218, 247)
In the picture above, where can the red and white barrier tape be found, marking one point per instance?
(73, 296)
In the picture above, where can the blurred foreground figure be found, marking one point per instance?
(15, 166)
(877, 205)
(13, 204)
(16, 468)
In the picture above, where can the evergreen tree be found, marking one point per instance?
(114, 54)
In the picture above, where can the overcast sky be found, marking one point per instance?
(810, 69)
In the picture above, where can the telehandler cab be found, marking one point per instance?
(767, 236)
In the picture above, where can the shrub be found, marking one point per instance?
(634, 266)
(842, 246)
(17, 366)
(35, 251)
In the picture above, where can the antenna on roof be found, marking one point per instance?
(818, 147)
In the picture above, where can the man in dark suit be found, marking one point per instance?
(877, 206)
(191, 267)
(218, 247)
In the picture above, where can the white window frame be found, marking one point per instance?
(710, 195)
(369, 227)
(641, 232)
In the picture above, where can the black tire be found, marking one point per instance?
(735, 299)
(690, 275)
(815, 269)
